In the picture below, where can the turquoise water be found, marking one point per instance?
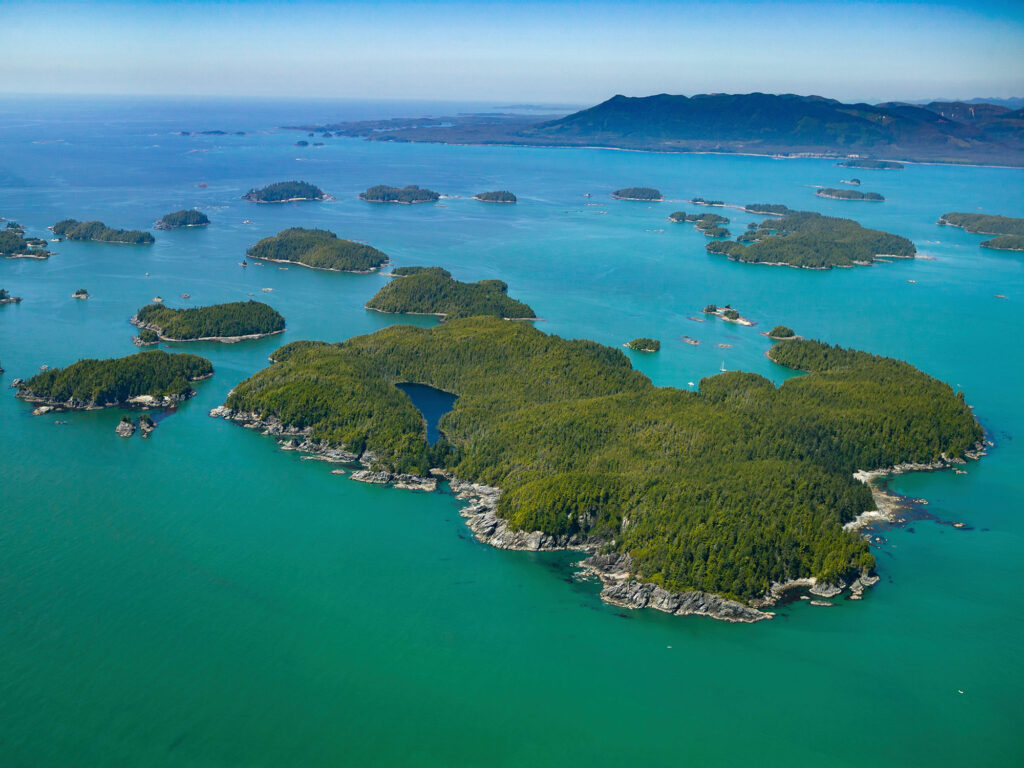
(202, 598)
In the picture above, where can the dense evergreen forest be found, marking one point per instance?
(433, 291)
(875, 165)
(188, 217)
(805, 239)
(984, 224)
(1005, 243)
(708, 223)
(849, 194)
(502, 196)
(382, 193)
(239, 318)
(72, 229)
(101, 383)
(776, 208)
(781, 332)
(14, 243)
(724, 490)
(285, 191)
(320, 249)
(637, 193)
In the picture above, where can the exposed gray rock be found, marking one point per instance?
(634, 594)
(407, 482)
(125, 428)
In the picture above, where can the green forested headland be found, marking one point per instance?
(984, 224)
(188, 217)
(285, 191)
(239, 318)
(805, 239)
(382, 193)
(100, 383)
(1005, 243)
(320, 249)
(72, 229)
(502, 196)
(724, 490)
(849, 194)
(637, 193)
(433, 291)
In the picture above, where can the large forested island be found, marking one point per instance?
(409, 195)
(146, 378)
(776, 209)
(761, 123)
(813, 241)
(433, 291)
(983, 223)
(188, 217)
(849, 194)
(1005, 243)
(318, 249)
(638, 193)
(692, 502)
(72, 229)
(501, 196)
(285, 192)
(236, 321)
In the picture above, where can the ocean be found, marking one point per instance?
(202, 598)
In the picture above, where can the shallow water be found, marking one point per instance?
(203, 598)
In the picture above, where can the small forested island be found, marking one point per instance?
(14, 244)
(496, 197)
(646, 194)
(6, 298)
(433, 291)
(852, 182)
(710, 203)
(188, 217)
(708, 502)
(80, 293)
(236, 321)
(72, 229)
(848, 194)
(644, 344)
(708, 223)
(152, 378)
(812, 241)
(409, 195)
(1005, 243)
(874, 165)
(983, 224)
(781, 332)
(773, 209)
(728, 314)
(318, 249)
(285, 192)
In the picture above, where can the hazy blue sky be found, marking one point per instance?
(576, 52)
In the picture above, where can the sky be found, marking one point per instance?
(560, 51)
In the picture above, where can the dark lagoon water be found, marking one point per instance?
(433, 403)
(202, 598)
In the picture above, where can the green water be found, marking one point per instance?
(202, 598)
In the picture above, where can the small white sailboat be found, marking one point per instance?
(722, 369)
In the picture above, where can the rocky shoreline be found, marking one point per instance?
(46, 405)
(222, 339)
(383, 264)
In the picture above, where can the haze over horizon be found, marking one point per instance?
(559, 51)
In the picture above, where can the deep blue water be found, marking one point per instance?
(433, 403)
(202, 598)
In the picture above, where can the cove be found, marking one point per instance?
(432, 403)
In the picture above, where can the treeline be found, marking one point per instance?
(725, 490)
(72, 229)
(502, 196)
(92, 383)
(984, 224)
(239, 318)
(805, 239)
(184, 218)
(637, 193)
(285, 191)
(320, 249)
(849, 194)
(432, 290)
(382, 193)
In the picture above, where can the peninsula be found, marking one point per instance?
(813, 241)
(409, 195)
(188, 217)
(983, 223)
(849, 194)
(97, 231)
(228, 323)
(152, 378)
(433, 291)
(710, 224)
(318, 249)
(689, 502)
(768, 209)
(285, 192)
(643, 194)
(1005, 243)
(496, 197)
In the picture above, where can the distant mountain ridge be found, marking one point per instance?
(753, 123)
